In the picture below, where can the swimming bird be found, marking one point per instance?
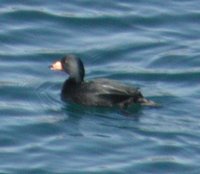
(97, 92)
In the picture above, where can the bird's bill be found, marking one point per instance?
(56, 66)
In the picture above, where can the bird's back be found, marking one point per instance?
(102, 92)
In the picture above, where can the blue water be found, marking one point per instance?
(154, 45)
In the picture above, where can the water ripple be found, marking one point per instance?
(139, 43)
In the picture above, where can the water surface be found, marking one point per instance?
(153, 45)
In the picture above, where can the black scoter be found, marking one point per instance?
(98, 92)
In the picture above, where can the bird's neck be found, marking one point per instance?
(75, 80)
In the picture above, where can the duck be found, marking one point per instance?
(100, 92)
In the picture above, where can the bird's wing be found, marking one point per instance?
(111, 87)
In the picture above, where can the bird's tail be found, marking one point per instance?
(146, 102)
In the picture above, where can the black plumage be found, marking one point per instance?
(98, 92)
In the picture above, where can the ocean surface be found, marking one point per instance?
(154, 45)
